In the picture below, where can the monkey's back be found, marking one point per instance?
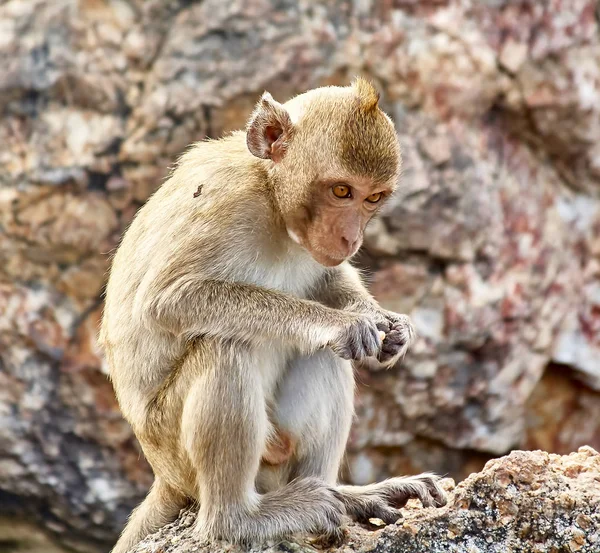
(181, 231)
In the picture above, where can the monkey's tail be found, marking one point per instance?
(160, 507)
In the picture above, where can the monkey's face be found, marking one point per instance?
(334, 157)
(331, 223)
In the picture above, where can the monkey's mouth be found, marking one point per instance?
(319, 254)
(329, 257)
(327, 260)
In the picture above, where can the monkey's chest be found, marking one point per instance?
(293, 275)
(290, 282)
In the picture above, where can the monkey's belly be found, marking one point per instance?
(272, 361)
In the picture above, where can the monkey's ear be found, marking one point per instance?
(269, 129)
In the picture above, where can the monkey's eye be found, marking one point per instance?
(341, 191)
(374, 198)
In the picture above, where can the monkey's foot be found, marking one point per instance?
(384, 499)
(424, 487)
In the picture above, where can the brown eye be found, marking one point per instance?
(341, 191)
(374, 198)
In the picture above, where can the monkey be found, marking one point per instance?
(233, 317)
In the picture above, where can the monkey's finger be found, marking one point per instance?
(374, 507)
(362, 343)
(384, 326)
(405, 326)
(395, 337)
(391, 349)
(392, 341)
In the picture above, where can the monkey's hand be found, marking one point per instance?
(399, 335)
(358, 337)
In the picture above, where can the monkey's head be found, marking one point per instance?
(333, 158)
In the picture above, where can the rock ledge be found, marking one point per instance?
(526, 502)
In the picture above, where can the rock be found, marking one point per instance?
(561, 413)
(531, 502)
(487, 310)
(26, 537)
(513, 55)
(492, 243)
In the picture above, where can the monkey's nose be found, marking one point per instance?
(348, 246)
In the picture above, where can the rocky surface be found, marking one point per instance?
(531, 502)
(492, 245)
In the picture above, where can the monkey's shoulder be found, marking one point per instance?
(216, 174)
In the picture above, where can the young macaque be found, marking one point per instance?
(233, 316)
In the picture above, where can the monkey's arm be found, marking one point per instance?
(343, 289)
(189, 305)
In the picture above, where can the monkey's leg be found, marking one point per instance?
(224, 428)
(161, 506)
(315, 407)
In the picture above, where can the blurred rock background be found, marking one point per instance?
(492, 244)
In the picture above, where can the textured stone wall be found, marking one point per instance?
(492, 244)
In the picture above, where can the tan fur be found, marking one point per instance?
(232, 315)
(368, 95)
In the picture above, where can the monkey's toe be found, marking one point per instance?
(424, 487)
(389, 515)
(436, 493)
(377, 508)
(430, 493)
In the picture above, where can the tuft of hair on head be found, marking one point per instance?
(367, 94)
